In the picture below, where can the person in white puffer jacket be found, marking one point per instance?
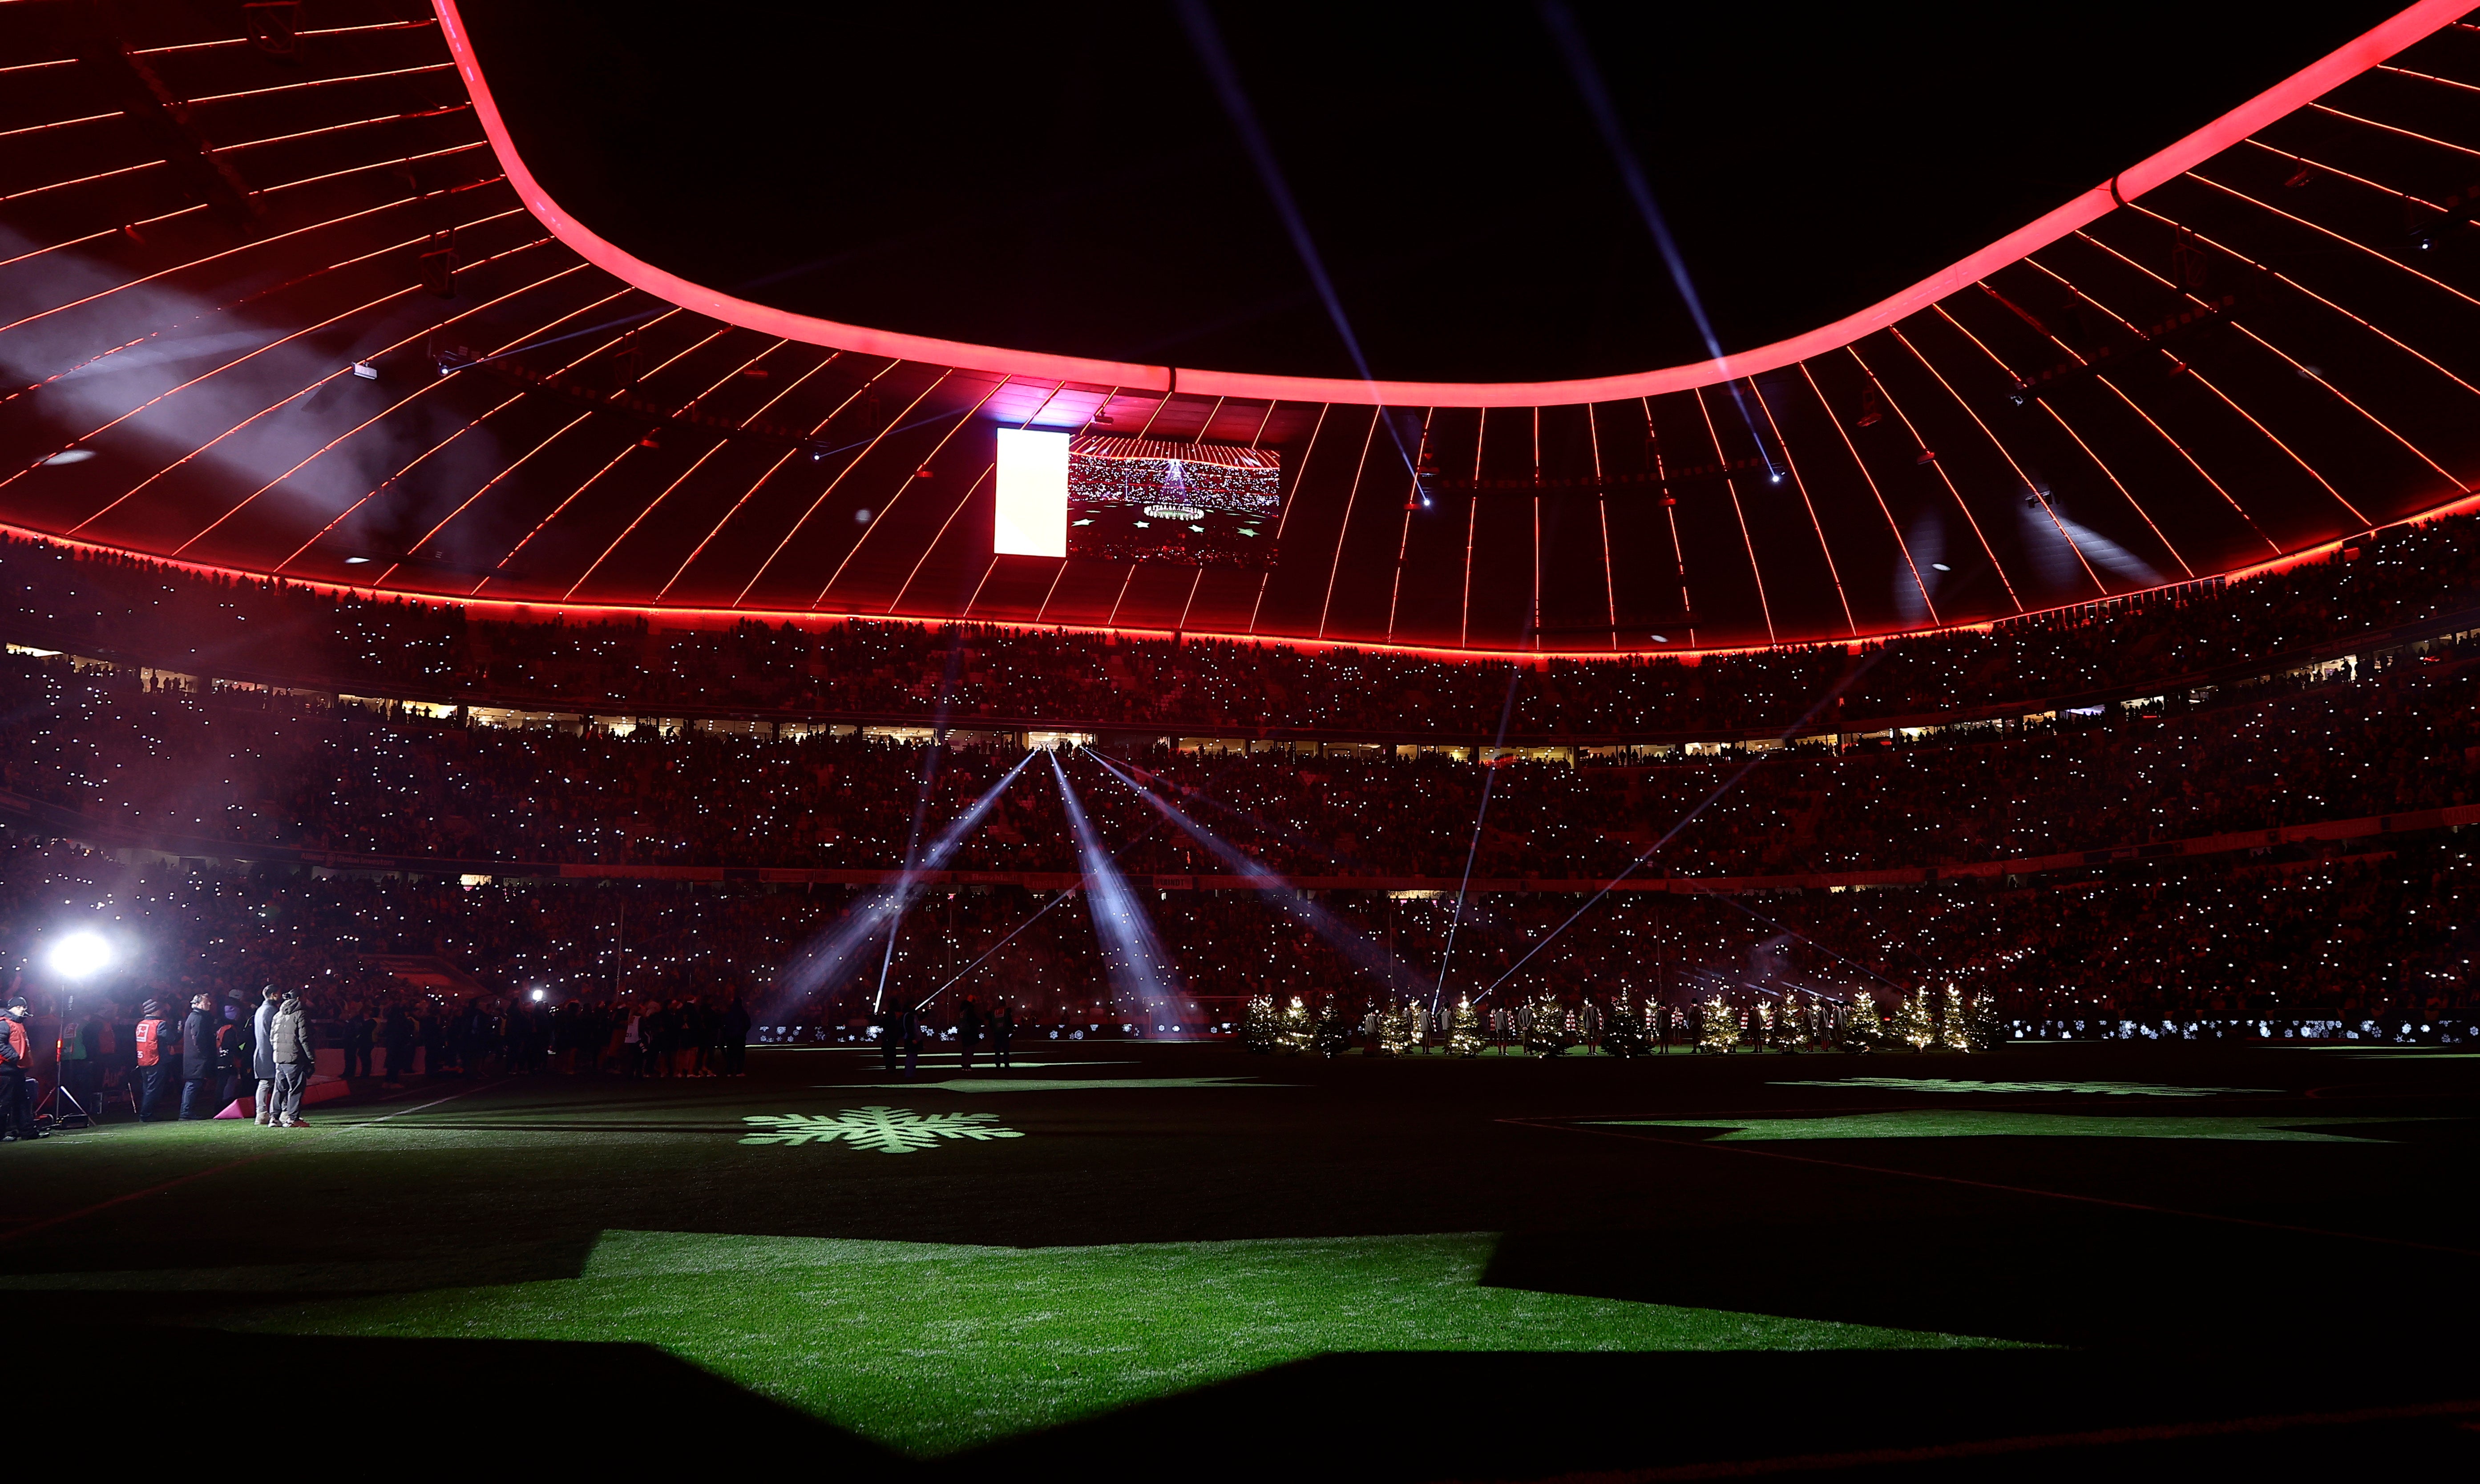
(289, 1044)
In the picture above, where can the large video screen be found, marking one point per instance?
(1200, 504)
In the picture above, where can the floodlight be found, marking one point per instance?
(79, 956)
(538, 994)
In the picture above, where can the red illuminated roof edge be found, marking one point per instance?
(2294, 93)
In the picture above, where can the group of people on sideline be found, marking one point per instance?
(901, 1032)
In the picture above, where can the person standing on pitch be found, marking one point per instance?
(198, 1059)
(156, 1044)
(262, 1056)
(1002, 1029)
(17, 1062)
(969, 1033)
(290, 1031)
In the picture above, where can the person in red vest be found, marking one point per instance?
(159, 1051)
(17, 1062)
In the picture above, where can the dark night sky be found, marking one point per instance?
(1065, 179)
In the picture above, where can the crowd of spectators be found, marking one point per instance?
(193, 623)
(181, 770)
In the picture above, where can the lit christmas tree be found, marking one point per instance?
(1954, 1031)
(1862, 1030)
(1259, 1028)
(1721, 1029)
(1791, 1026)
(1760, 1025)
(1983, 1027)
(1395, 1033)
(1548, 1034)
(1915, 1028)
(1463, 1031)
(1331, 1035)
(1293, 1033)
(1623, 1034)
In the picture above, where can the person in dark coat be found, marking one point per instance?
(909, 1026)
(969, 1033)
(359, 1031)
(732, 1034)
(262, 1054)
(157, 1039)
(16, 1068)
(1003, 1030)
(233, 1056)
(396, 1034)
(198, 1059)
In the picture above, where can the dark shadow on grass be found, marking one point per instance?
(1416, 1417)
(573, 1408)
(2128, 1281)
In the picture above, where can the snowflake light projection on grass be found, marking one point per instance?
(886, 1130)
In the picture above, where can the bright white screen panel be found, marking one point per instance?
(1033, 494)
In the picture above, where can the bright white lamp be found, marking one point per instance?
(81, 956)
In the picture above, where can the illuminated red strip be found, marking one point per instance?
(1904, 341)
(1282, 520)
(2202, 380)
(401, 402)
(1350, 498)
(2302, 288)
(1602, 508)
(857, 461)
(388, 482)
(1792, 464)
(1764, 609)
(1945, 478)
(2324, 231)
(2313, 82)
(717, 446)
(1861, 464)
(901, 490)
(2068, 428)
(321, 82)
(760, 483)
(2133, 405)
(491, 483)
(1670, 513)
(572, 497)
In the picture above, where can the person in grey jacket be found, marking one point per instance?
(289, 1044)
(262, 1054)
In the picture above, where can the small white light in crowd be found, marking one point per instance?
(80, 955)
(538, 994)
(71, 456)
(365, 370)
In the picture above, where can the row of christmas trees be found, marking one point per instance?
(1550, 1027)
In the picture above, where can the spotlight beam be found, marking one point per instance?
(987, 954)
(888, 908)
(922, 800)
(1366, 952)
(1850, 677)
(1489, 777)
(1133, 953)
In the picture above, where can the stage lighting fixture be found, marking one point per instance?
(861, 516)
(81, 955)
(538, 994)
(71, 456)
(356, 561)
(1659, 638)
(1925, 456)
(1941, 567)
(365, 370)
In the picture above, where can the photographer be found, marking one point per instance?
(17, 1062)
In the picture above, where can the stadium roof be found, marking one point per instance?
(2256, 341)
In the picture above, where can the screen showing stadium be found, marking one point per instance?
(1200, 504)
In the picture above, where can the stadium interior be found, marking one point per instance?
(1882, 897)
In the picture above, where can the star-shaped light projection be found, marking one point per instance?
(886, 1130)
(1992, 1123)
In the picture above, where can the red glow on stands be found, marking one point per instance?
(2296, 91)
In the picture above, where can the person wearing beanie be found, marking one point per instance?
(17, 1060)
(289, 1032)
